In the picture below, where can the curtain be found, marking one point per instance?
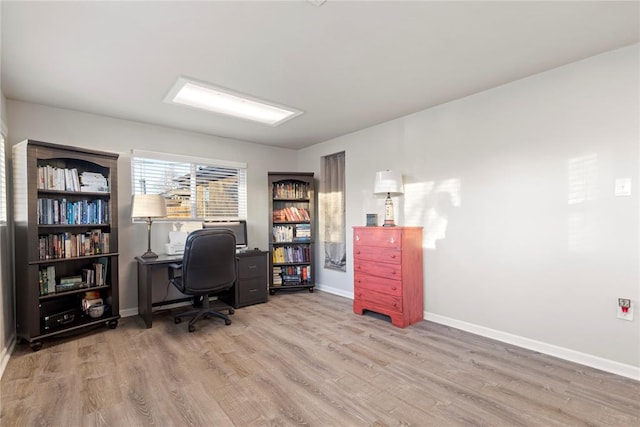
(333, 211)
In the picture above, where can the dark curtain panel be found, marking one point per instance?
(332, 205)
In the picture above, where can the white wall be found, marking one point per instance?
(120, 136)
(524, 238)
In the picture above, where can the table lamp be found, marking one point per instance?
(388, 183)
(148, 206)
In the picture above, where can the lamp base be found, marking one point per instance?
(388, 212)
(149, 254)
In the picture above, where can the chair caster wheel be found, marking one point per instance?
(231, 311)
(35, 346)
(192, 328)
(311, 290)
(112, 324)
(227, 322)
(177, 320)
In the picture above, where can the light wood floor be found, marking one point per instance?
(303, 359)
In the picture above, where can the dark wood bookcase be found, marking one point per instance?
(292, 229)
(66, 222)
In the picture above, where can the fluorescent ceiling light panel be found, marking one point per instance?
(207, 97)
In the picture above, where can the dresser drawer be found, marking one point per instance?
(379, 237)
(380, 269)
(379, 284)
(380, 299)
(377, 254)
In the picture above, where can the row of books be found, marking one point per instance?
(291, 213)
(291, 190)
(289, 254)
(291, 275)
(68, 245)
(91, 276)
(63, 211)
(61, 179)
(292, 233)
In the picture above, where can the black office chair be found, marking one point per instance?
(208, 267)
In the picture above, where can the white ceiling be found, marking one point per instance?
(347, 64)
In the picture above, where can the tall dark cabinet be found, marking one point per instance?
(66, 239)
(292, 228)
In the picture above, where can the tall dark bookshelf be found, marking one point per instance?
(66, 239)
(292, 231)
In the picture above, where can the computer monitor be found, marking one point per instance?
(238, 227)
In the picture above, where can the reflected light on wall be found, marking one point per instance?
(582, 187)
(430, 203)
(582, 174)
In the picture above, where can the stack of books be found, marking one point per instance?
(93, 182)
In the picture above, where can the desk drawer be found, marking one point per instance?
(252, 291)
(252, 266)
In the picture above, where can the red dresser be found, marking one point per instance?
(388, 273)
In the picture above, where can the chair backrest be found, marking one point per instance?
(209, 262)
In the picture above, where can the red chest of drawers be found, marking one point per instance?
(388, 273)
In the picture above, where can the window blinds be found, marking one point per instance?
(194, 188)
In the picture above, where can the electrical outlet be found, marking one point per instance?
(625, 309)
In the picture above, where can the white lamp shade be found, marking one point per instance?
(148, 206)
(388, 182)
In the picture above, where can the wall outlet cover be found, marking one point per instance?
(625, 316)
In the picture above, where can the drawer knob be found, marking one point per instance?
(393, 288)
(393, 240)
(393, 256)
(357, 237)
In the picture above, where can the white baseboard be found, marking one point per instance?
(592, 361)
(334, 291)
(6, 354)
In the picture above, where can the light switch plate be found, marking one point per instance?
(623, 187)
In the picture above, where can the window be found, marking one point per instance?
(332, 202)
(194, 188)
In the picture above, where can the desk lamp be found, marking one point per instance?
(388, 183)
(148, 206)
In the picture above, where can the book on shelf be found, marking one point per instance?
(68, 245)
(291, 214)
(291, 190)
(93, 182)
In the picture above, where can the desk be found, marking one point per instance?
(250, 288)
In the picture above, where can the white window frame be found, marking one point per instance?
(193, 170)
(3, 181)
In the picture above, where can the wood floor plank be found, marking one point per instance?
(303, 359)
